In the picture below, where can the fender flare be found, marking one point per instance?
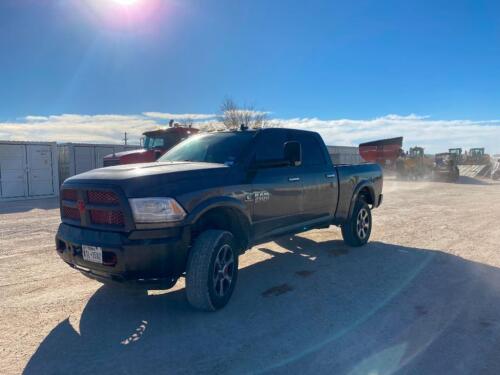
(362, 185)
(217, 202)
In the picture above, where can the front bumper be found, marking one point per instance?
(443, 172)
(146, 257)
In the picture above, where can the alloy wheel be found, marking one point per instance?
(223, 270)
(363, 223)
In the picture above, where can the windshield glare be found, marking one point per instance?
(221, 148)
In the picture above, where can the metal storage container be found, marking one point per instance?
(28, 170)
(75, 158)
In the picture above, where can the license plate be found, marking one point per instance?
(92, 254)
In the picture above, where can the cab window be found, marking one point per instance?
(270, 145)
(312, 149)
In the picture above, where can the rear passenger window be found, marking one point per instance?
(312, 149)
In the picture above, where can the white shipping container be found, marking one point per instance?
(76, 158)
(28, 170)
(345, 155)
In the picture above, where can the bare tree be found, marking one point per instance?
(229, 114)
(186, 122)
(233, 116)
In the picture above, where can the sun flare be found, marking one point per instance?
(125, 15)
(125, 2)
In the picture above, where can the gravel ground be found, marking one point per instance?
(422, 298)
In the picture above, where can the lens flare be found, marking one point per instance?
(126, 15)
(125, 2)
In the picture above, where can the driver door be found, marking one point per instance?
(277, 192)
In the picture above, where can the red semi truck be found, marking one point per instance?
(156, 143)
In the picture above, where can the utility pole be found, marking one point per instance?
(125, 139)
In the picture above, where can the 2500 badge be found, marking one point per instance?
(258, 196)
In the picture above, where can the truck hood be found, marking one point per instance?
(125, 153)
(157, 179)
(140, 170)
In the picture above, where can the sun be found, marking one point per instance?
(125, 15)
(125, 2)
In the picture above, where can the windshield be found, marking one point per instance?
(151, 142)
(222, 148)
(442, 158)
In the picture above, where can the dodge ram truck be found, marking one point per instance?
(206, 201)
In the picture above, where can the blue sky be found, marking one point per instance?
(298, 59)
(352, 59)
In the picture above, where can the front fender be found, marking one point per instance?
(216, 202)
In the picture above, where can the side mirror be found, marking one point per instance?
(293, 153)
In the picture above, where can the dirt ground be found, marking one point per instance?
(422, 298)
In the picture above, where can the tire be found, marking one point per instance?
(212, 270)
(356, 232)
(453, 178)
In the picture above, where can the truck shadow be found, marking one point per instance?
(11, 207)
(317, 307)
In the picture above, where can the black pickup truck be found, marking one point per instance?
(205, 202)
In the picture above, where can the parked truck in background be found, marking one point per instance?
(156, 143)
(445, 168)
(205, 202)
(384, 152)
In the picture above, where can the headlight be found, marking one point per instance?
(156, 210)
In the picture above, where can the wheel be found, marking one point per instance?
(453, 178)
(356, 232)
(212, 270)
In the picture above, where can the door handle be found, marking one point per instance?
(330, 175)
(293, 179)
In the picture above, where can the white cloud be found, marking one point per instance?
(250, 112)
(77, 128)
(35, 118)
(434, 135)
(197, 117)
(409, 117)
(180, 116)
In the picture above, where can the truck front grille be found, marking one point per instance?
(102, 197)
(93, 208)
(71, 213)
(107, 217)
(69, 195)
